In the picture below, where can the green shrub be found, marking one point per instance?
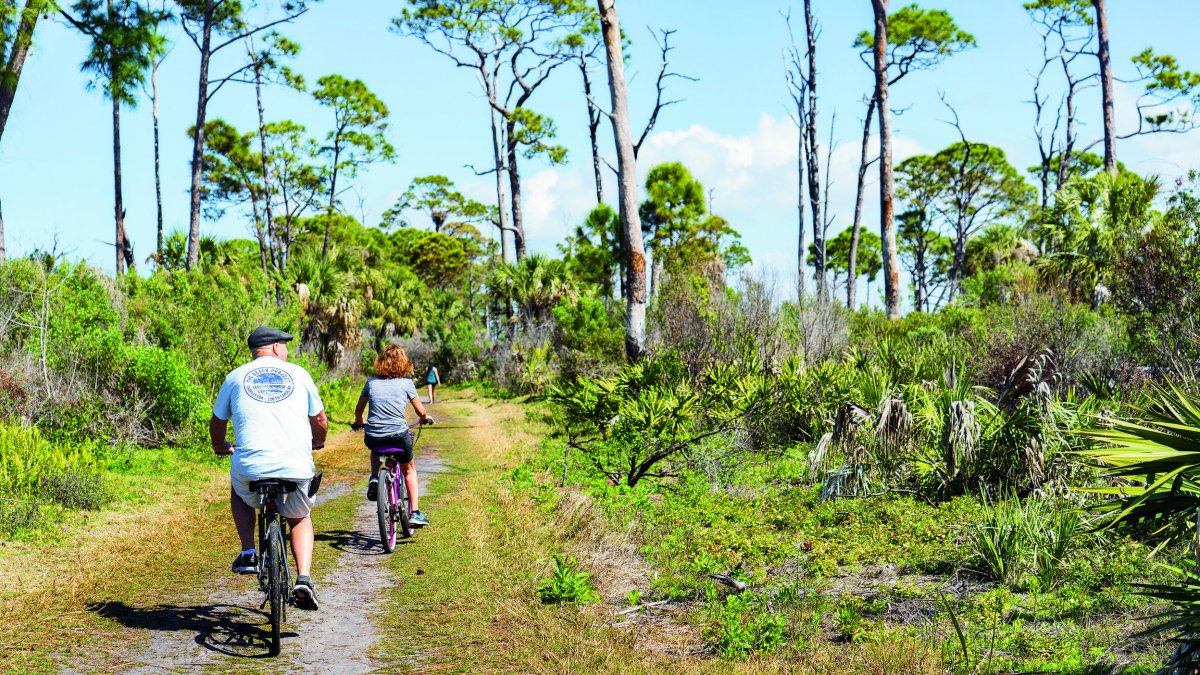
(75, 489)
(586, 325)
(18, 517)
(567, 584)
(743, 624)
(26, 459)
(340, 396)
(164, 380)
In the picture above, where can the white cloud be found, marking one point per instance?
(752, 178)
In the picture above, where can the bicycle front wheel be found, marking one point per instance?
(385, 503)
(273, 562)
(402, 507)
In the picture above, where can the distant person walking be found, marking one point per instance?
(433, 379)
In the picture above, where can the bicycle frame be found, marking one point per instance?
(267, 515)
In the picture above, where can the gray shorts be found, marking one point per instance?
(293, 505)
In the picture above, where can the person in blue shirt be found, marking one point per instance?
(433, 379)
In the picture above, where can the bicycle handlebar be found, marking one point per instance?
(423, 421)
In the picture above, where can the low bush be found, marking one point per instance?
(568, 584)
(744, 624)
(27, 459)
(75, 489)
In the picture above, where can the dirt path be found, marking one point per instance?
(339, 637)
(222, 628)
(461, 598)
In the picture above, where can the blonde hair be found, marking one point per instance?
(393, 362)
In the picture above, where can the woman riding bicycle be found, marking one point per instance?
(388, 395)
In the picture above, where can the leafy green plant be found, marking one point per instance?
(741, 625)
(568, 584)
(1051, 543)
(630, 424)
(848, 620)
(998, 542)
(1160, 454)
(27, 459)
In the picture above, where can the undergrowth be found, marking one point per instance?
(1032, 588)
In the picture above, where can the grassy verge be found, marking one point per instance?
(855, 585)
(466, 597)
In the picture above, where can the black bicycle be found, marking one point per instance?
(274, 575)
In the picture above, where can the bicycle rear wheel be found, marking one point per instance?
(273, 561)
(384, 505)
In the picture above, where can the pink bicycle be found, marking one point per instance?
(392, 506)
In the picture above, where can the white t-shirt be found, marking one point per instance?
(270, 401)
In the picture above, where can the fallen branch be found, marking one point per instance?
(647, 605)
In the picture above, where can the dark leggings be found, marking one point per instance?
(403, 442)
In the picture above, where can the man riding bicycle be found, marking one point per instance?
(278, 420)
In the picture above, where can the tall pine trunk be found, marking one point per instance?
(123, 248)
(514, 188)
(814, 163)
(193, 248)
(15, 63)
(266, 174)
(501, 189)
(157, 159)
(337, 154)
(856, 228)
(887, 221)
(631, 226)
(10, 74)
(1106, 88)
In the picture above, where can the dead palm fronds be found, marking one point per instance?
(893, 428)
(960, 437)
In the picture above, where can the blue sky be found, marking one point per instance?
(731, 130)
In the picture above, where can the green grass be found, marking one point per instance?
(869, 571)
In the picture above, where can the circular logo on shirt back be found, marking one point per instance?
(268, 384)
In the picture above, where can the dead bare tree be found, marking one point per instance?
(587, 52)
(631, 230)
(796, 84)
(1066, 36)
(811, 148)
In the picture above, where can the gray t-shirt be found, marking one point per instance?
(387, 399)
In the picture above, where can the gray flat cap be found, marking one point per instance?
(265, 335)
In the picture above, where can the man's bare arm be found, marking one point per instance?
(216, 434)
(319, 424)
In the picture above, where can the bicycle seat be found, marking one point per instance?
(388, 451)
(285, 485)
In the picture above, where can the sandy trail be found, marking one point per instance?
(337, 639)
(222, 628)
